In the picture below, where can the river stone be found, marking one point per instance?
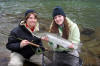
(87, 31)
(84, 38)
(97, 33)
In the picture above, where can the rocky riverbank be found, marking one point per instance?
(90, 51)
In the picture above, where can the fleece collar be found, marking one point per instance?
(31, 30)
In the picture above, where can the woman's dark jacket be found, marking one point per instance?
(16, 36)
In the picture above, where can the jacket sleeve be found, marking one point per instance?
(13, 42)
(41, 45)
(75, 36)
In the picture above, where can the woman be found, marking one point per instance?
(20, 39)
(63, 26)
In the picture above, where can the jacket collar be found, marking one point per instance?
(22, 23)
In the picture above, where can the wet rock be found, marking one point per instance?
(4, 61)
(89, 60)
(4, 56)
(97, 33)
(90, 52)
(86, 34)
(87, 31)
(92, 43)
(84, 38)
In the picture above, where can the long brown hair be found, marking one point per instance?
(54, 28)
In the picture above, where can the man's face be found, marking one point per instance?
(31, 21)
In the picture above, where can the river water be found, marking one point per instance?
(86, 13)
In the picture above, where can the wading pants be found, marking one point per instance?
(17, 60)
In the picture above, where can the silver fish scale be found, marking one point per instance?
(58, 40)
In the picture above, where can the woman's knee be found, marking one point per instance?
(15, 64)
(16, 60)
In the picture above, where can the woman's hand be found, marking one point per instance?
(45, 38)
(24, 43)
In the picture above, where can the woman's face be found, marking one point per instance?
(59, 19)
(31, 21)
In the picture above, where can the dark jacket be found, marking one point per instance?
(16, 36)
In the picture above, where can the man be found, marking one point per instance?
(21, 38)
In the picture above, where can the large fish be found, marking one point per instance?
(55, 39)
